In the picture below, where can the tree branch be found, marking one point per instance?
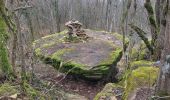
(141, 34)
(22, 8)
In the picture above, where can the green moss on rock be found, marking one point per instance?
(141, 77)
(54, 35)
(74, 57)
(112, 57)
(49, 40)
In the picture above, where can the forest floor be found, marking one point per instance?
(68, 83)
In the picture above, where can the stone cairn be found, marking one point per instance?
(74, 29)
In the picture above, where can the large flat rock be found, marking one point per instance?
(90, 59)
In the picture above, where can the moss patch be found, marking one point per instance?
(49, 40)
(54, 35)
(112, 57)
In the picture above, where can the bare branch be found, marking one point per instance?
(22, 8)
(141, 34)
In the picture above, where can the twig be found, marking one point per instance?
(22, 8)
(158, 97)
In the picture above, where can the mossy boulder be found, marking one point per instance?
(140, 77)
(90, 58)
(143, 75)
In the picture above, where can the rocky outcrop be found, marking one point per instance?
(90, 58)
(136, 83)
(141, 79)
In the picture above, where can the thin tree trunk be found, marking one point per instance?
(164, 77)
(4, 59)
(21, 54)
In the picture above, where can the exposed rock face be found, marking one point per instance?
(90, 59)
(143, 93)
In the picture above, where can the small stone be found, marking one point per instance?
(102, 98)
(14, 96)
(113, 98)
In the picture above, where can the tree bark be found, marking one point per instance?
(158, 11)
(153, 26)
(164, 77)
(21, 54)
(4, 59)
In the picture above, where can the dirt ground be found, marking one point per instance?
(69, 83)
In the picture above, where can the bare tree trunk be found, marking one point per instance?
(21, 54)
(123, 21)
(57, 15)
(14, 42)
(164, 77)
(165, 85)
(158, 11)
(153, 27)
(14, 49)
